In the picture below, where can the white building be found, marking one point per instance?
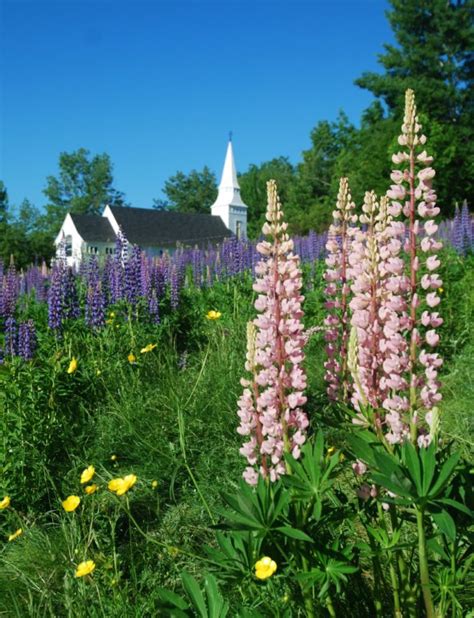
(229, 205)
(154, 230)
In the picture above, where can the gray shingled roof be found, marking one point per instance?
(93, 228)
(158, 228)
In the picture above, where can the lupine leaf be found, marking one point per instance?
(194, 593)
(456, 505)
(171, 598)
(217, 607)
(428, 461)
(294, 533)
(412, 463)
(445, 523)
(444, 474)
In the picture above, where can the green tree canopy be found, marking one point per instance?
(194, 192)
(84, 185)
(433, 55)
(253, 185)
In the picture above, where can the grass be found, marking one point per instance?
(172, 418)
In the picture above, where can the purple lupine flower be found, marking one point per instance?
(466, 227)
(153, 307)
(56, 296)
(26, 340)
(11, 336)
(174, 287)
(457, 231)
(95, 304)
(133, 276)
(10, 291)
(70, 297)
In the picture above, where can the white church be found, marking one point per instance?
(156, 231)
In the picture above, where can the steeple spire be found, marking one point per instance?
(229, 205)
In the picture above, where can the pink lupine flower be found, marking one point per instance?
(416, 180)
(337, 322)
(270, 408)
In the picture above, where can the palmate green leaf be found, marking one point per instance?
(194, 593)
(294, 533)
(444, 475)
(446, 524)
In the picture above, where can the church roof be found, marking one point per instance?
(93, 228)
(160, 228)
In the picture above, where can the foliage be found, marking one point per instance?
(433, 56)
(194, 192)
(84, 185)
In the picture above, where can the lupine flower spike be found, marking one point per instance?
(414, 199)
(337, 291)
(270, 407)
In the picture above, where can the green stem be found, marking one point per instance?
(378, 577)
(424, 570)
(307, 595)
(392, 565)
(330, 607)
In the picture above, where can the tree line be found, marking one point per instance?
(432, 55)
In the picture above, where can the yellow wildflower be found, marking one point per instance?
(87, 474)
(148, 348)
(213, 315)
(113, 458)
(330, 451)
(154, 484)
(121, 485)
(72, 365)
(440, 290)
(85, 568)
(71, 503)
(5, 503)
(16, 534)
(111, 314)
(91, 489)
(131, 358)
(98, 372)
(265, 568)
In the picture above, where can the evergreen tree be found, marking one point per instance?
(433, 55)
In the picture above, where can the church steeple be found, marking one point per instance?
(229, 205)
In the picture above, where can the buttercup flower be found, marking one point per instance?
(113, 458)
(120, 486)
(131, 358)
(71, 503)
(213, 315)
(85, 568)
(154, 484)
(87, 474)
(91, 489)
(148, 348)
(16, 534)
(5, 503)
(72, 365)
(265, 568)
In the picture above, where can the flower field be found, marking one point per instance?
(281, 428)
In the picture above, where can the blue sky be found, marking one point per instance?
(159, 84)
